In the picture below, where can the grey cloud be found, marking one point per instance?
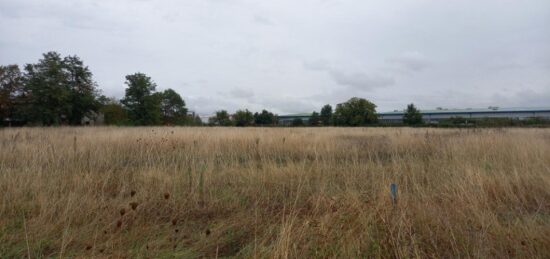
(357, 80)
(280, 105)
(524, 98)
(361, 81)
(334, 97)
(465, 99)
(262, 20)
(410, 60)
(208, 105)
(317, 65)
(283, 105)
(506, 66)
(543, 62)
(11, 9)
(241, 93)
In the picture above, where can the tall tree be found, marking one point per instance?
(58, 90)
(142, 103)
(172, 108)
(243, 118)
(83, 93)
(326, 115)
(193, 120)
(314, 120)
(265, 118)
(221, 118)
(355, 112)
(412, 115)
(47, 94)
(11, 87)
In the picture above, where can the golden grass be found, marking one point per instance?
(274, 192)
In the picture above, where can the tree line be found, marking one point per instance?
(354, 112)
(61, 91)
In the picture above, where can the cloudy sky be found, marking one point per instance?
(294, 56)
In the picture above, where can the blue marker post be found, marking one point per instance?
(393, 192)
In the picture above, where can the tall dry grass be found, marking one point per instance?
(262, 192)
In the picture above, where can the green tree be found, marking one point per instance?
(412, 115)
(142, 103)
(193, 120)
(11, 87)
(265, 118)
(47, 95)
(82, 90)
(326, 115)
(221, 118)
(297, 122)
(355, 112)
(113, 112)
(243, 118)
(58, 90)
(172, 108)
(314, 120)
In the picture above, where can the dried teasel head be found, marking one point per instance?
(133, 205)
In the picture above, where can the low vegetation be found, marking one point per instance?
(274, 192)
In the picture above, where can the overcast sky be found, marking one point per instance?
(294, 56)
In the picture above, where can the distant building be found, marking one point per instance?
(287, 119)
(434, 116)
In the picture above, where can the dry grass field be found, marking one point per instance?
(274, 192)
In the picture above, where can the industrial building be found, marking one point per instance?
(434, 116)
(287, 119)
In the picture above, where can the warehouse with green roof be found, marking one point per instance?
(434, 116)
